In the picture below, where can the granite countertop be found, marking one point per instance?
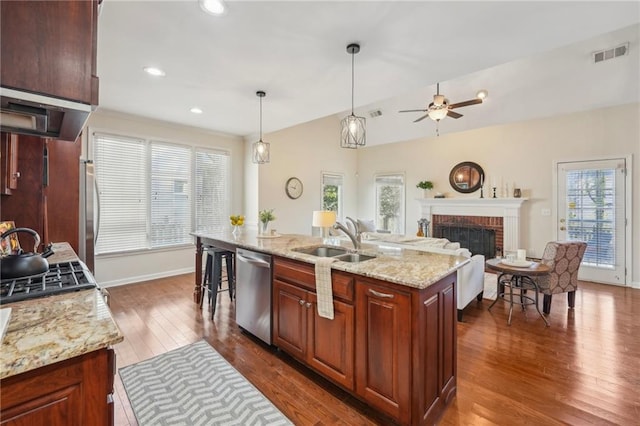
(405, 266)
(47, 330)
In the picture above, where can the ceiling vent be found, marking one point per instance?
(375, 113)
(614, 52)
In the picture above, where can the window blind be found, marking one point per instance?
(120, 167)
(170, 194)
(212, 169)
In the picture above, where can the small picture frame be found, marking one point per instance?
(11, 244)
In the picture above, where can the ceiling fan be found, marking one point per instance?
(441, 108)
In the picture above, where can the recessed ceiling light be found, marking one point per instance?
(196, 110)
(154, 71)
(482, 94)
(213, 7)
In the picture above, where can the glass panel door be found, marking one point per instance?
(591, 208)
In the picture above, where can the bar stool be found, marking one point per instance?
(213, 278)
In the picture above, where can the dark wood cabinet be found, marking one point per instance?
(49, 47)
(9, 172)
(392, 346)
(383, 348)
(74, 392)
(325, 345)
(47, 199)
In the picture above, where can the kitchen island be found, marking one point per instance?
(56, 365)
(392, 342)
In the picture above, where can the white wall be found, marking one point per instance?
(523, 153)
(141, 266)
(304, 151)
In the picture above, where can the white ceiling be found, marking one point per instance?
(534, 58)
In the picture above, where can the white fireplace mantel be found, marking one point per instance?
(506, 208)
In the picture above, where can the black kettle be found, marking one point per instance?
(23, 264)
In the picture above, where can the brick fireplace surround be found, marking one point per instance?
(481, 211)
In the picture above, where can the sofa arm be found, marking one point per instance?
(470, 281)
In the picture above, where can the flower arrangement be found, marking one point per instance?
(425, 184)
(266, 215)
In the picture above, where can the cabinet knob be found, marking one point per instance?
(301, 302)
(308, 304)
(562, 228)
(16, 175)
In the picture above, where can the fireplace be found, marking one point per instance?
(501, 215)
(480, 234)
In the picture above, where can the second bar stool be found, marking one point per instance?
(213, 278)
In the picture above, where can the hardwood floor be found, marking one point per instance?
(583, 369)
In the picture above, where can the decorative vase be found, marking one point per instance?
(264, 228)
(426, 193)
(236, 230)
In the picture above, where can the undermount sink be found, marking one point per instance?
(354, 257)
(338, 253)
(322, 251)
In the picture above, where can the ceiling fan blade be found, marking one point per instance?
(465, 103)
(453, 114)
(414, 110)
(421, 118)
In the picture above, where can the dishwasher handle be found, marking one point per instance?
(255, 262)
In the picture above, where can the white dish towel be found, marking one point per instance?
(323, 287)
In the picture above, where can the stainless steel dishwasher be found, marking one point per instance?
(253, 293)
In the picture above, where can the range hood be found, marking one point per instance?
(28, 113)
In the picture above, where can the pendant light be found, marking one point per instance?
(261, 149)
(353, 132)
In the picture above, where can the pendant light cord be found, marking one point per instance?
(261, 118)
(352, 79)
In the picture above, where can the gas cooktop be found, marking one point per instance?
(61, 278)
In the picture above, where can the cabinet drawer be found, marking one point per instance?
(303, 275)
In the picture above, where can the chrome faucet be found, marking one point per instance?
(355, 239)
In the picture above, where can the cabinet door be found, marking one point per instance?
(383, 348)
(9, 163)
(331, 344)
(290, 318)
(48, 47)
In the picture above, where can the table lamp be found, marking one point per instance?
(324, 219)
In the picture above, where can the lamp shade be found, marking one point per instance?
(324, 218)
(438, 114)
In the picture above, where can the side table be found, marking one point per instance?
(522, 278)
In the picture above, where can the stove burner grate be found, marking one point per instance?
(61, 278)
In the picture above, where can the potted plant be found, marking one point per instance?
(426, 186)
(265, 217)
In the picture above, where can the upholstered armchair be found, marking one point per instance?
(563, 258)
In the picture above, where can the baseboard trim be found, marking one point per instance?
(147, 277)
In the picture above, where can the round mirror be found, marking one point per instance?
(466, 177)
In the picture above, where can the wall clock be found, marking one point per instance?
(293, 188)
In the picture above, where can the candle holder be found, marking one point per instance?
(494, 192)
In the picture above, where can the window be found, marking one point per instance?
(212, 189)
(152, 194)
(390, 202)
(170, 194)
(332, 193)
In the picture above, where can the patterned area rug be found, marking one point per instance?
(490, 286)
(194, 385)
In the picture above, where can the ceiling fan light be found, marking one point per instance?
(438, 114)
(482, 94)
(353, 132)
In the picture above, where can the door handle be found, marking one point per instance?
(562, 228)
(378, 294)
(562, 220)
